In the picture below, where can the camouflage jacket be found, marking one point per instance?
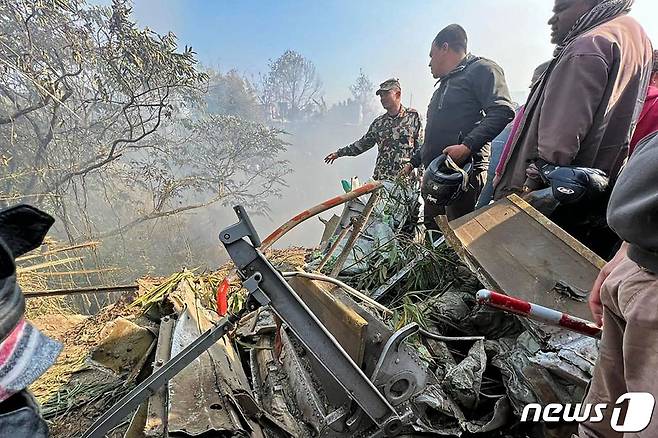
(397, 137)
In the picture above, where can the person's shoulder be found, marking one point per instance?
(485, 65)
(378, 122)
(411, 110)
(588, 44)
(601, 39)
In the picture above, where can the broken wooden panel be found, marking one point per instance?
(376, 334)
(514, 249)
(124, 346)
(347, 326)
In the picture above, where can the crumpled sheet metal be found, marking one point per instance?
(500, 417)
(457, 306)
(552, 369)
(538, 363)
(463, 382)
(270, 378)
(512, 364)
(200, 396)
(569, 355)
(439, 415)
(573, 357)
(300, 382)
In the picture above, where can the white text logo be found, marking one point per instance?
(638, 415)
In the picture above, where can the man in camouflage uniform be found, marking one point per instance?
(397, 133)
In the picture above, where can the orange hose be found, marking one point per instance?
(324, 206)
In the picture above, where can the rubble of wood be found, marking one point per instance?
(483, 365)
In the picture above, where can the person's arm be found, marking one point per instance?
(573, 95)
(594, 301)
(418, 140)
(493, 95)
(415, 159)
(363, 144)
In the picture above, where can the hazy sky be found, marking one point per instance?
(384, 37)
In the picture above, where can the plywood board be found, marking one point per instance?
(516, 250)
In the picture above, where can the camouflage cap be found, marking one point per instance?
(389, 84)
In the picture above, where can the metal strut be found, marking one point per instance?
(268, 288)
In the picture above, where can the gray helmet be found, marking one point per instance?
(444, 181)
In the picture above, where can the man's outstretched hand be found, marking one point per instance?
(458, 152)
(595, 294)
(329, 159)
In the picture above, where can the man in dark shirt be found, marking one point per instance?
(469, 109)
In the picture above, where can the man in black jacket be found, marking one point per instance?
(470, 108)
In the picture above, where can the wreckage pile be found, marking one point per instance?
(105, 355)
(483, 365)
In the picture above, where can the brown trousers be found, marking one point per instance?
(628, 351)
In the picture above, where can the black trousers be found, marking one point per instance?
(462, 206)
(590, 228)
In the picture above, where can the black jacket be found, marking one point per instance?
(471, 106)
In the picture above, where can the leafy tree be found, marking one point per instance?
(362, 91)
(106, 125)
(232, 94)
(292, 88)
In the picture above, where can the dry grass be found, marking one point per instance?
(55, 265)
(36, 307)
(71, 392)
(205, 285)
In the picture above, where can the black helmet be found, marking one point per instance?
(571, 185)
(444, 181)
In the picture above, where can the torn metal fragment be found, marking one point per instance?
(463, 381)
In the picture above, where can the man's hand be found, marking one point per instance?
(458, 152)
(329, 159)
(595, 294)
(407, 169)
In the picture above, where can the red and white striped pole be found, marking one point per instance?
(538, 313)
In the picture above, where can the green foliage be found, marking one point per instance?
(292, 87)
(115, 130)
(233, 95)
(434, 271)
